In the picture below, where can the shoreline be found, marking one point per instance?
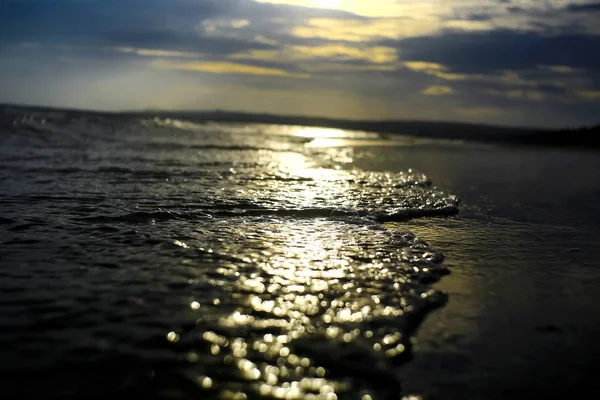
(582, 137)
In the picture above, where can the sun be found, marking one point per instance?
(327, 3)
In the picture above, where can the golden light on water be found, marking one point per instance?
(317, 132)
(304, 286)
(313, 281)
(322, 133)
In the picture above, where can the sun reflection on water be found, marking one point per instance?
(306, 295)
(317, 132)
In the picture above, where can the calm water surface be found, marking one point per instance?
(522, 320)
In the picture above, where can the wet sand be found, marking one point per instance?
(510, 329)
(521, 321)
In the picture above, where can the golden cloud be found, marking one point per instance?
(561, 69)
(511, 78)
(589, 94)
(424, 66)
(342, 67)
(437, 70)
(375, 55)
(156, 53)
(219, 67)
(437, 90)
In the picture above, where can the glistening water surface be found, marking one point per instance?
(166, 259)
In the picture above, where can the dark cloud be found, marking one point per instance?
(70, 21)
(576, 8)
(516, 10)
(487, 52)
(177, 41)
(59, 18)
(163, 24)
(479, 17)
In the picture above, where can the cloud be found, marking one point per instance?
(365, 30)
(439, 71)
(534, 95)
(307, 56)
(218, 24)
(556, 83)
(498, 50)
(437, 90)
(520, 66)
(166, 24)
(589, 94)
(560, 69)
(225, 68)
(586, 7)
(156, 53)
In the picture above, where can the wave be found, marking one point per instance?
(245, 210)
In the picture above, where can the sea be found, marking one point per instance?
(152, 257)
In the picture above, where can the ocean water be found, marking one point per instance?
(169, 259)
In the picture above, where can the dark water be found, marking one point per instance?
(164, 259)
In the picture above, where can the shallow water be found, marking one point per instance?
(521, 321)
(175, 260)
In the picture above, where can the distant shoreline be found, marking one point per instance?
(585, 137)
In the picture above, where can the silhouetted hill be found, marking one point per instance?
(582, 137)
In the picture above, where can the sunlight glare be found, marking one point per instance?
(327, 3)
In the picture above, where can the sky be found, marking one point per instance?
(510, 62)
